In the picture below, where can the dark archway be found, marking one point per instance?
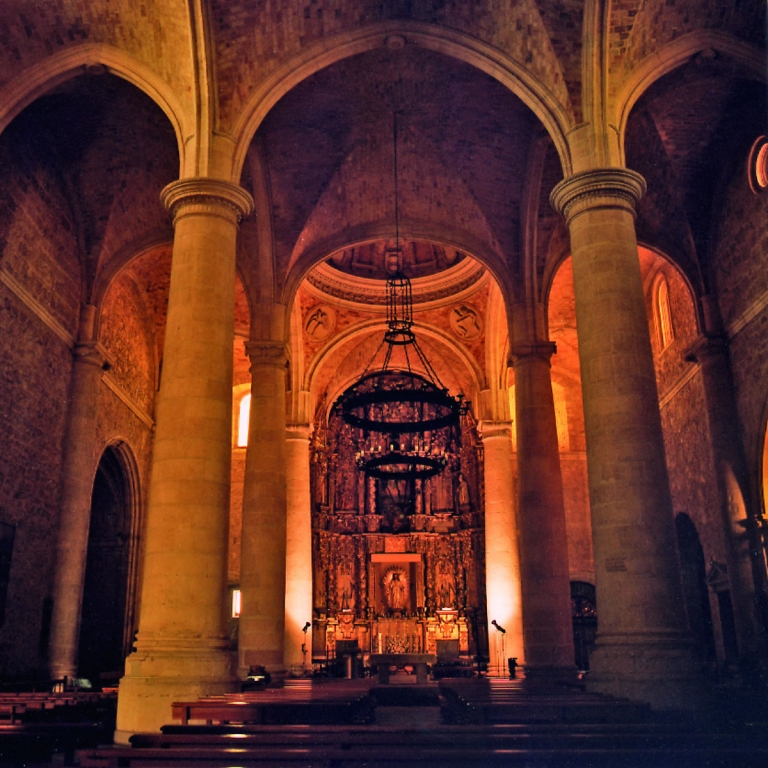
(694, 578)
(102, 648)
(584, 613)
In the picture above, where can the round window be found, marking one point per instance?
(758, 166)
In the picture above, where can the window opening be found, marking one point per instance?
(664, 313)
(244, 414)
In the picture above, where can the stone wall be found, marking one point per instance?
(39, 306)
(740, 256)
(35, 368)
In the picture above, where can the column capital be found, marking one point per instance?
(491, 429)
(91, 353)
(262, 353)
(523, 352)
(707, 347)
(298, 431)
(204, 196)
(617, 188)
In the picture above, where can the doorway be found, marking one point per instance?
(103, 643)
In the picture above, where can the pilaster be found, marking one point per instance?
(502, 556)
(298, 555)
(547, 625)
(78, 469)
(741, 528)
(261, 637)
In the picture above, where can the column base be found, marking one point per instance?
(155, 678)
(547, 676)
(661, 671)
(272, 661)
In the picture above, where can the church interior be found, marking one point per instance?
(415, 334)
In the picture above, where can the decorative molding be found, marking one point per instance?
(201, 195)
(745, 318)
(42, 314)
(446, 287)
(491, 429)
(522, 352)
(617, 188)
(678, 385)
(91, 353)
(271, 354)
(126, 399)
(298, 432)
(706, 347)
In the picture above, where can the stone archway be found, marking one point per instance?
(694, 578)
(104, 637)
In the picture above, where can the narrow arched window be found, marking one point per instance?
(243, 417)
(664, 313)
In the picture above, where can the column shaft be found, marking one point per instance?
(182, 649)
(712, 354)
(78, 468)
(263, 548)
(502, 560)
(547, 625)
(298, 556)
(643, 647)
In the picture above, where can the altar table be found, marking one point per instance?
(419, 662)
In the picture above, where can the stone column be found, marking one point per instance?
(643, 649)
(711, 352)
(77, 473)
(547, 621)
(298, 556)
(502, 561)
(182, 650)
(261, 638)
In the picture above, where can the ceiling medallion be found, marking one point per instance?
(406, 423)
(465, 322)
(320, 322)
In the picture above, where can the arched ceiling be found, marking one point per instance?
(691, 128)
(462, 146)
(110, 149)
(418, 259)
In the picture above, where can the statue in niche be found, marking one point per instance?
(395, 584)
(445, 595)
(462, 491)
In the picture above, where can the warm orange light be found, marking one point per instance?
(236, 603)
(761, 166)
(664, 313)
(242, 421)
(757, 166)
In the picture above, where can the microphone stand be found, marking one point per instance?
(501, 653)
(304, 648)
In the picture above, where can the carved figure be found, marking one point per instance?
(463, 491)
(396, 589)
(465, 322)
(320, 323)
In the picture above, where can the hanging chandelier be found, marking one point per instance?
(407, 422)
